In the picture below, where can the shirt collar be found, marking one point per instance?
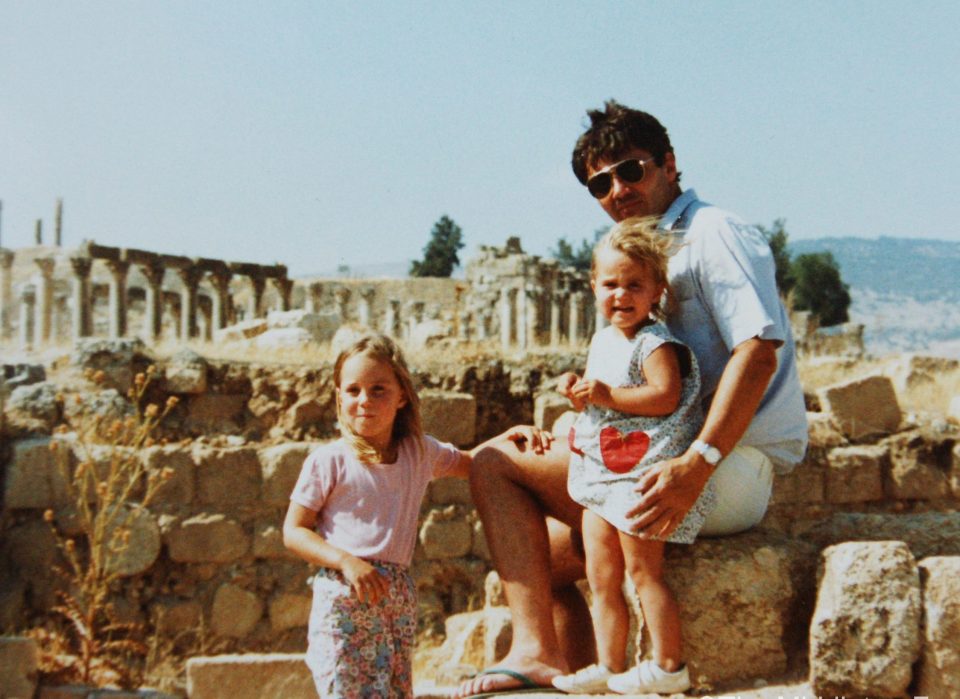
(676, 209)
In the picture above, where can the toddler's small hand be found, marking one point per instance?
(591, 391)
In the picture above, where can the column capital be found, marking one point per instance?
(81, 266)
(190, 276)
(6, 258)
(154, 271)
(46, 265)
(118, 268)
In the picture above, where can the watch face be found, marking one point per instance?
(712, 455)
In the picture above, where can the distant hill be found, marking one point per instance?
(904, 290)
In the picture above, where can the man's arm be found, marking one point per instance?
(669, 490)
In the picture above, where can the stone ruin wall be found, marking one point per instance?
(218, 567)
(51, 295)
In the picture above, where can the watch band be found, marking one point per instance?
(709, 452)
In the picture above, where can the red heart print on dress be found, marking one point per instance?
(622, 452)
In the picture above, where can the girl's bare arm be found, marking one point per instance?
(300, 537)
(659, 396)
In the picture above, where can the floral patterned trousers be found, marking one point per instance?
(359, 650)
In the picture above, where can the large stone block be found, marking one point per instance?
(179, 488)
(450, 491)
(119, 359)
(33, 479)
(253, 676)
(186, 372)
(446, 534)
(227, 476)
(449, 416)
(741, 600)
(865, 633)
(133, 541)
(18, 667)
(939, 669)
(855, 474)
(823, 431)
(926, 533)
(280, 466)
(919, 466)
(863, 408)
(235, 612)
(288, 611)
(176, 616)
(207, 538)
(268, 541)
(804, 484)
(216, 412)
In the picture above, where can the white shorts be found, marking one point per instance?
(743, 482)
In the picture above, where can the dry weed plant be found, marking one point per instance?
(106, 490)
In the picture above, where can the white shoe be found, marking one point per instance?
(590, 680)
(649, 677)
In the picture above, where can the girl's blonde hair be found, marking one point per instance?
(639, 239)
(407, 422)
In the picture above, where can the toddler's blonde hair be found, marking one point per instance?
(407, 422)
(639, 239)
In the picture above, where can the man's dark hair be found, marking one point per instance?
(615, 131)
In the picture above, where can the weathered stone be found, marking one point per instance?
(215, 412)
(445, 536)
(283, 338)
(289, 611)
(186, 372)
(320, 326)
(953, 411)
(119, 359)
(235, 611)
(179, 488)
(251, 676)
(34, 479)
(106, 405)
(923, 381)
(18, 667)
(450, 417)
(865, 634)
(14, 375)
(268, 541)
(133, 541)
(855, 474)
(207, 538)
(480, 548)
(280, 467)
(920, 466)
(305, 413)
(12, 602)
(863, 408)
(227, 476)
(31, 548)
(450, 491)
(175, 616)
(547, 407)
(823, 431)
(739, 600)
(33, 407)
(240, 331)
(939, 669)
(464, 643)
(804, 484)
(927, 533)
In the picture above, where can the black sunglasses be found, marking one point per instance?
(630, 170)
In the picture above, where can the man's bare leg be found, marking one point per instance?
(514, 489)
(571, 615)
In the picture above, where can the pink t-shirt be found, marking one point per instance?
(371, 510)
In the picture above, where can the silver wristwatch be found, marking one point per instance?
(709, 453)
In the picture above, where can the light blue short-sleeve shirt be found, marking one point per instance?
(724, 280)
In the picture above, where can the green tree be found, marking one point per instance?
(818, 288)
(440, 254)
(777, 237)
(579, 258)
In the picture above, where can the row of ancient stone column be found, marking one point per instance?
(36, 302)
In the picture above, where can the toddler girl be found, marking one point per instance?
(353, 512)
(639, 405)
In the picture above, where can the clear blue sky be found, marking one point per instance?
(320, 133)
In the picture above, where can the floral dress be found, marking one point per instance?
(610, 449)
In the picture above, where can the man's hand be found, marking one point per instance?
(668, 490)
(366, 580)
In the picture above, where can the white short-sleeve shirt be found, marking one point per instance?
(724, 279)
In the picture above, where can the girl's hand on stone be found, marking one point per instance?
(529, 436)
(366, 580)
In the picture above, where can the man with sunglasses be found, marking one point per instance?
(729, 313)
